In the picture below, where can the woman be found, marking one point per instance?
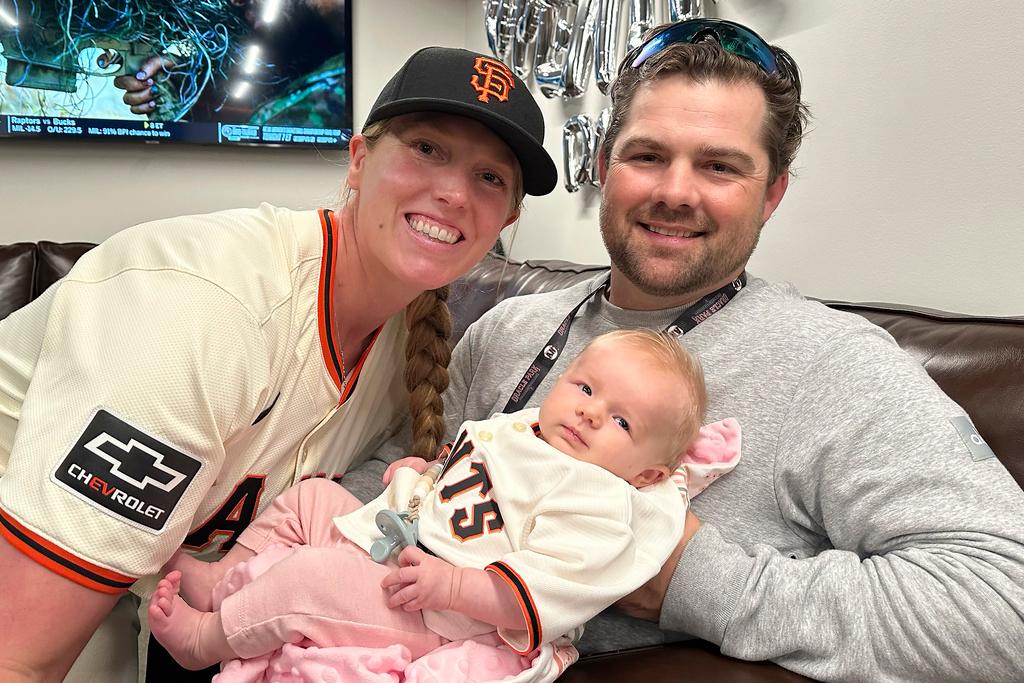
(186, 371)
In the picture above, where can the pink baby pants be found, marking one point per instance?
(325, 591)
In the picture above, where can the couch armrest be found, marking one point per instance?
(17, 272)
(54, 260)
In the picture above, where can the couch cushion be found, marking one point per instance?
(55, 260)
(17, 263)
(473, 295)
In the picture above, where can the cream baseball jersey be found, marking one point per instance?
(177, 379)
(569, 537)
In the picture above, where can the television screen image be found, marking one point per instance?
(236, 72)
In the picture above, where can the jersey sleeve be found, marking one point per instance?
(583, 552)
(142, 377)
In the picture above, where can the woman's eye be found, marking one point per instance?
(425, 148)
(493, 179)
(585, 388)
(622, 422)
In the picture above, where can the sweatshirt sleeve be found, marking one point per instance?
(921, 569)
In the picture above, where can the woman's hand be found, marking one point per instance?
(418, 464)
(421, 581)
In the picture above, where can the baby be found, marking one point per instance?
(538, 521)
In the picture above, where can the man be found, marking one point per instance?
(858, 539)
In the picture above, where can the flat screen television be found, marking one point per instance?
(229, 72)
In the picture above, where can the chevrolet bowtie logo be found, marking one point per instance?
(131, 475)
(135, 463)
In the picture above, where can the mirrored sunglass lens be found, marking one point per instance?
(676, 34)
(748, 46)
(741, 43)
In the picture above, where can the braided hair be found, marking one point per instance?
(427, 352)
(428, 347)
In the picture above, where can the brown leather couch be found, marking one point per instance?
(977, 360)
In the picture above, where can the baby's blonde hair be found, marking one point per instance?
(670, 355)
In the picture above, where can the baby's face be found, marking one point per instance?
(610, 408)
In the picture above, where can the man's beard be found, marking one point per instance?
(693, 275)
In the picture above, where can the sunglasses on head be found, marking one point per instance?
(733, 37)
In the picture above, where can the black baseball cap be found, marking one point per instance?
(456, 81)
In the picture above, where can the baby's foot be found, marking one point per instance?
(195, 639)
(197, 579)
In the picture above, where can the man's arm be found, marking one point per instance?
(34, 601)
(920, 573)
(366, 480)
(646, 602)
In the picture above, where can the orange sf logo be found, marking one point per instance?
(492, 78)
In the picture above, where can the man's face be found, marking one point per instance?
(686, 191)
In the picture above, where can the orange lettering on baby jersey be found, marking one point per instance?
(479, 478)
(485, 518)
(456, 452)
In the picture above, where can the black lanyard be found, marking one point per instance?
(687, 320)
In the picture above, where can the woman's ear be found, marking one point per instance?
(512, 218)
(357, 149)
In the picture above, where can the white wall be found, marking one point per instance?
(81, 190)
(910, 183)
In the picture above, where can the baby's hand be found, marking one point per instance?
(422, 581)
(418, 464)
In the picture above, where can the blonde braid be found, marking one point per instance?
(427, 352)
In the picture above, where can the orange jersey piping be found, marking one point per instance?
(325, 308)
(526, 604)
(332, 357)
(60, 561)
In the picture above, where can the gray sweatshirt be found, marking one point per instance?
(860, 538)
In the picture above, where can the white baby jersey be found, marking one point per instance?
(569, 537)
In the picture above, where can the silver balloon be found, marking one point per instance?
(681, 10)
(579, 59)
(500, 25)
(526, 31)
(606, 40)
(596, 138)
(606, 35)
(577, 143)
(551, 45)
(641, 20)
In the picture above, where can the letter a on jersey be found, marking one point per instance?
(126, 473)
